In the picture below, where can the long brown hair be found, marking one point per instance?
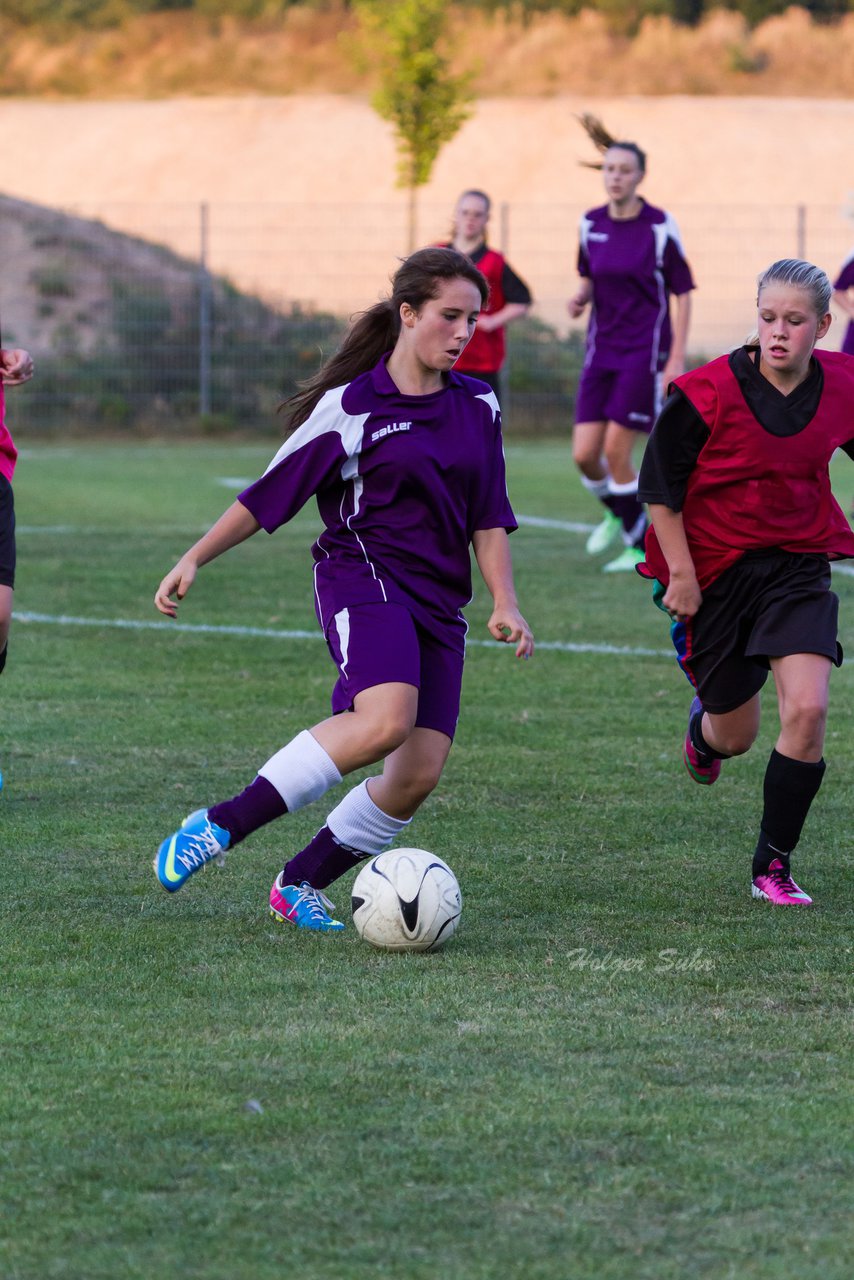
(375, 331)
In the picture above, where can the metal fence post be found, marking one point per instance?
(204, 315)
(802, 232)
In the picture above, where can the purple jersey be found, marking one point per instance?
(635, 264)
(402, 483)
(845, 280)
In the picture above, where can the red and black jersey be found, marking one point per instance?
(760, 477)
(486, 351)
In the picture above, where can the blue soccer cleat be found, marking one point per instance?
(197, 841)
(303, 906)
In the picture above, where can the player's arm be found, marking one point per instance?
(234, 526)
(487, 321)
(580, 298)
(679, 344)
(492, 552)
(16, 366)
(683, 597)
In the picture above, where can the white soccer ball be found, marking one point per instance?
(406, 900)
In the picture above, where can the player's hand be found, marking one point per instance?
(176, 583)
(682, 598)
(16, 366)
(508, 626)
(576, 306)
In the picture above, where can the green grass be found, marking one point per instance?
(620, 1068)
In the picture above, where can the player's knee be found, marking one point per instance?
(587, 459)
(387, 730)
(803, 723)
(733, 741)
(413, 789)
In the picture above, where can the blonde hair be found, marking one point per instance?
(800, 275)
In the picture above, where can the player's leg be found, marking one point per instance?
(623, 497)
(798, 624)
(631, 407)
(376, 651)
(6, 599)
(793, 775)
(7, 569)
(365, 823)
(712, 738)
(588, 444)
(375, 813)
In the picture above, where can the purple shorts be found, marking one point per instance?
(375, 644)
(629, 397)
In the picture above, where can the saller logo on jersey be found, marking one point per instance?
(390, 429)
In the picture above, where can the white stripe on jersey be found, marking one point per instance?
(491, 399)
(328, 415)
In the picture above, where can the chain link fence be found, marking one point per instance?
(175, 317)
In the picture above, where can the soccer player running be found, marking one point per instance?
(630, 261)
(744, 525)
(16, 367)
(405, 460)
(509, 296)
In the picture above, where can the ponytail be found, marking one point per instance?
(376, 331)
(603, 141)
(373, 333)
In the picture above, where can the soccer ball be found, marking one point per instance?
(406, 900)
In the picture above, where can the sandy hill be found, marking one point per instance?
(303, 205)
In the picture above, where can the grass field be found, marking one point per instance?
(621, 1068)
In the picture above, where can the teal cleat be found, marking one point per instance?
(604, 535)
(196, 842)
(303, 906)
(626, 561)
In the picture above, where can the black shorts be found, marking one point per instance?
(7, 534)
(769, 604)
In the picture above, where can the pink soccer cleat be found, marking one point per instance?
(777, 886)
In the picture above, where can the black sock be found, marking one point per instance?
(695, 733)
(789, 789)
(3, 656)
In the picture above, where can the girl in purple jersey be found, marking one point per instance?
(405, 460)
(843, 296)
(744, 524)
(630, 261)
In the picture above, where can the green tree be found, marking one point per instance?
(418, 93)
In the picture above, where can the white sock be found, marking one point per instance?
(358, 823)
(620, 489)
(301, 772)
(599, 488)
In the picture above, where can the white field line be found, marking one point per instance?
(271, 633)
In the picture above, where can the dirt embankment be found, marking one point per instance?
(311, 50)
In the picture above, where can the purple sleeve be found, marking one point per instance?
(493, 509)
(677, 273)
(845, 279)
(309, 460)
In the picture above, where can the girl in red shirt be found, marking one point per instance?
(744, 526)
